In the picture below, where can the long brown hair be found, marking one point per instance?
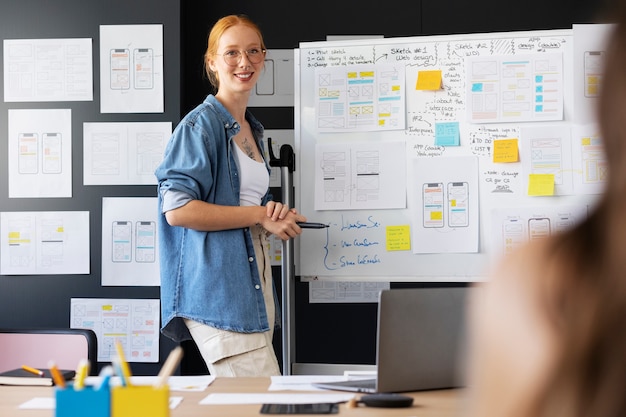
(584, 285)
(216, 33)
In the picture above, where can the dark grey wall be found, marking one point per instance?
(44, 301)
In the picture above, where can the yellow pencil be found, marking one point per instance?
(81, 373)
(58, 379)
(123, 364)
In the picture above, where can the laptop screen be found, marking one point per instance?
(421, 339)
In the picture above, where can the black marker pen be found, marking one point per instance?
(307, 225)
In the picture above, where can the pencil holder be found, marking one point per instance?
(140, 400)
(87, 402)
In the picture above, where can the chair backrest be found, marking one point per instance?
(36, 347)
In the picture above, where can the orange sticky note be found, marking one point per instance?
(540, 184)
(428, 80)
(505, 150)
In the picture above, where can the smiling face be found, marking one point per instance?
(241, 77)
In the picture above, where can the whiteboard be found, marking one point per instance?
(375, 242)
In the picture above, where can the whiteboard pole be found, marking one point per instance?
(287, 166)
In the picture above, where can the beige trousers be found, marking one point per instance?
(233, 354)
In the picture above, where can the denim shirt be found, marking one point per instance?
(208, 277)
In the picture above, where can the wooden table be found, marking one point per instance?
(440, 403)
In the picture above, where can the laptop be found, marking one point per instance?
(420, 342)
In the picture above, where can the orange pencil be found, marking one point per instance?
(32, 370)
(56, 375)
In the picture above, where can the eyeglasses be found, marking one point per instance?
(233, 57)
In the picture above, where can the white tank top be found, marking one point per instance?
(254, 179)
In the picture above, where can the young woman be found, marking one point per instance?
(216, 280)
(548, 335)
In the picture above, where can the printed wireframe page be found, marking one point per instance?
(40, 153)
(37, 70)
(131, 69)
(44, 243)
(130, 250)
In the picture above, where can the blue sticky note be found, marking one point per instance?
(447, 134)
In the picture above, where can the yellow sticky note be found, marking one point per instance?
(436, 215)
(505, 150)
(428, 80)
(398, 238)
(540, 184)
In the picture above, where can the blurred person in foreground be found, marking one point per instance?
(548, 330)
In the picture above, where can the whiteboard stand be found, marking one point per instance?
(287, 165)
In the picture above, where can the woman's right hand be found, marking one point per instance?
(281, 220)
